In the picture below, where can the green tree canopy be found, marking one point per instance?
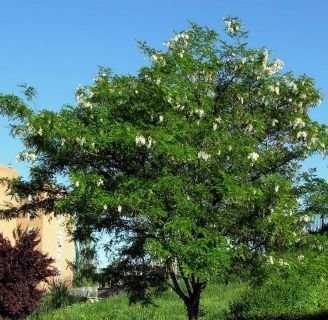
(193, 164)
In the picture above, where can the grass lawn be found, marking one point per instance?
(215, 301)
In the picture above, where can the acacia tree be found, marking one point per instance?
(191, 164)
(22, 269)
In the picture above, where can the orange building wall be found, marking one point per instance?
(55, 240)
(6, 227)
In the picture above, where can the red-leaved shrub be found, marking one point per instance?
(22, 268)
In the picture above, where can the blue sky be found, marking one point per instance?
(56, 45)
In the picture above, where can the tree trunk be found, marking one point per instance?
(192, 305)
(193, 309)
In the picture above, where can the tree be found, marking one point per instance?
(22, 269)
(192, 163)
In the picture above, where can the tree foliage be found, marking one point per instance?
(193, 164)
(22, 269)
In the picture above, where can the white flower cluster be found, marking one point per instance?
(305, 218)
(283, 263)
(182, 38)
(100, 182)
(274, 89)
(142, 141)
(200, 112)
(298, 123)
(203, 155)
(301, 135)
(232, 25)
(82, 96)
(26, 155)
(80, 141)
(275, 67)
(100, 76)
(249, 128)
(271, 259)
(274, 122)
(253, 156)
(158, 58)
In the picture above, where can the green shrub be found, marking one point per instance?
(58, 296)
(281, 299)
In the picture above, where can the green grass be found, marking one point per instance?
(215, 301)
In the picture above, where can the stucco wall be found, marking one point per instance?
(54, 238)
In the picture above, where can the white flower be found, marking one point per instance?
(140, 140)
(275, 67)
(161, 119)
(105, 206)
(119, 208)
(158, 58)
(81, 141)
(265, 58)
(100, 182)
(158, 81)
(294, 87)
(274, 122)
(40, 132)
(232, 25)
(301, 135)
(151, 141)
(215, 126)
(200, 112)
(136, 91)
(181, 37)
(31, 157)
(298, 123)
(154, 57)
(253, 156)
(276, 90)
(62, 141)
(249, 127)
(77, 184)
(300, 257)
(305, 218)
(271, 260)
(180, 107)
(230, 148)
(276, 188)
(203, 155)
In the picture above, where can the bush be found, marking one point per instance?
(58, 296)
(281, 299)
(22, 268)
